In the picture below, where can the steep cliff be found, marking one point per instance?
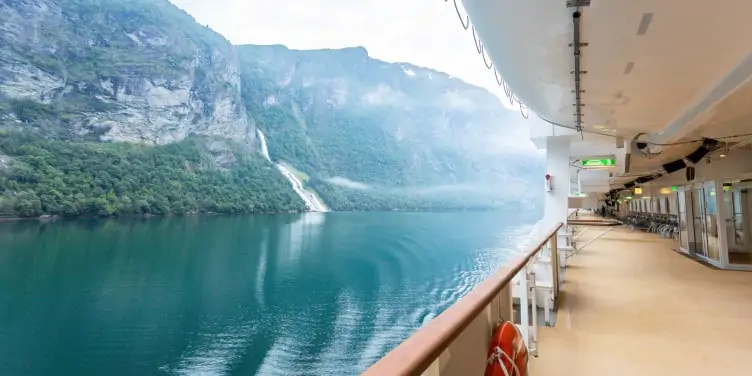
(129, 70)
(364, 133)
(377, 135)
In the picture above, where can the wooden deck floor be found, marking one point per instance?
(632, 306)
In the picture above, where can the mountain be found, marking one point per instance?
(367, 130)
(96, 92)
(131, 70)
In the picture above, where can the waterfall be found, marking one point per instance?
(264, 149)
(312, 202)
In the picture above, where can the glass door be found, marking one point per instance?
(681, 198)
(737, 203)
(712, 240)
(697, 244)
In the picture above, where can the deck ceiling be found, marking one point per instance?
(651, 63)
(676, 70)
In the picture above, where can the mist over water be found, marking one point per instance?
(460, 190)
(302, 294)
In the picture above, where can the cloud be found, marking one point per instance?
(455, 100)
(421, 32)
(426, 33)
(383, 95)
(347, 183)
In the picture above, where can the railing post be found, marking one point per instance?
(506, 309)
(524, 311)
(554, 249)
(435, 368)
(533, 339)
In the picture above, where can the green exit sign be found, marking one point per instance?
(598, 162)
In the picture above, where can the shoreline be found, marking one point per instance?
(52, 218)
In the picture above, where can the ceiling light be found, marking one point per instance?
(724, 151)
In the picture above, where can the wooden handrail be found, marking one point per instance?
(593, 222)
(415, 354)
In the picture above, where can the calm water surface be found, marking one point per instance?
(302, 294)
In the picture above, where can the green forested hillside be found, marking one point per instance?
(130, 106)
(396, 128)
(86, 178)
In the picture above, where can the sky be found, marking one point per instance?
(426, 33)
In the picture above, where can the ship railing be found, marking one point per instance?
(572, 213)
(456, 341)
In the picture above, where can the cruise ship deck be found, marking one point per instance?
(637, 122)
(631, 305)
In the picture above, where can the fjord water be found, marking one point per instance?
(297, 294)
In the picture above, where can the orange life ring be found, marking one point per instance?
(507, 355)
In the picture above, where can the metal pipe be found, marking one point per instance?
(576, 49)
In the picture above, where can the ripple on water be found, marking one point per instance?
(362, 330)
(214, 353)
(318, 294)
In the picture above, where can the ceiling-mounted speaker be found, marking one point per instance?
(698, 154)
(709, 143)
(674, 166)
(707, 146)
(690, 173)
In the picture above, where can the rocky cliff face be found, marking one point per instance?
(363, 130)
(130, 70)
(403, 124)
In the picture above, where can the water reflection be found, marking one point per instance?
(301, 232)
(323, 294)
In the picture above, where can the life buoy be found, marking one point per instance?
(507, 355)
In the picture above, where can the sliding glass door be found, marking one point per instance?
(697, 243)
(702, 209)
(712, 240)
(681, 199)
(738, 204)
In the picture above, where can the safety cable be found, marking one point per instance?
(465, 22)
